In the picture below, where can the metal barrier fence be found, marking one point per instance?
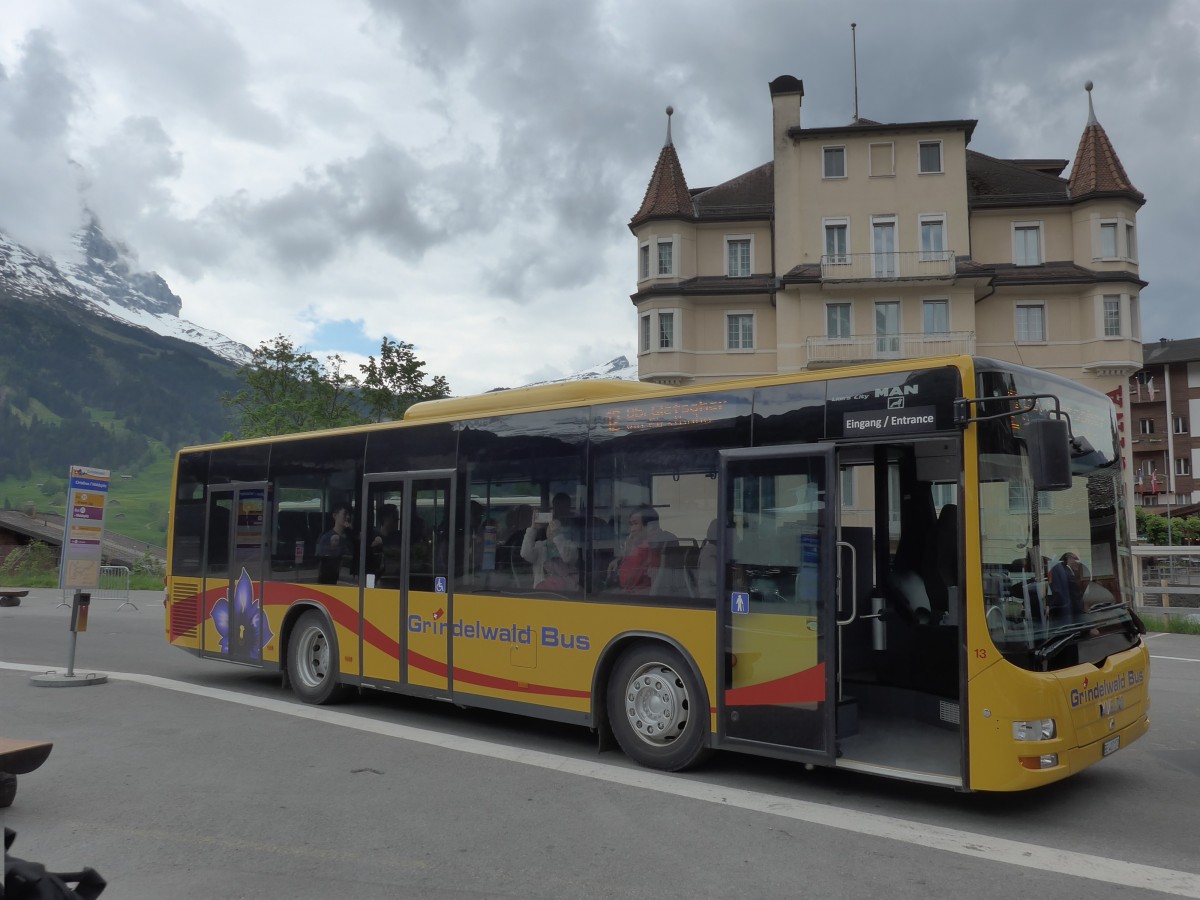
(114, 585)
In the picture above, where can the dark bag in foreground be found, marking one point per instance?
(25, 880)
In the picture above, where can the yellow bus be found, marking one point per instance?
(915, 568)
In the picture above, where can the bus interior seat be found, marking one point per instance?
(670, 578)
(947, 552)
(916, 588)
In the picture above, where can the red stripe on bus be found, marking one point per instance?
(284, 594)
(507, 684)
(802, 687)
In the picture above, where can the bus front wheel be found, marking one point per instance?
(657, 710)
(312, 659)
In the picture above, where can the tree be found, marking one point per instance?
(397, 381)
(287, 390)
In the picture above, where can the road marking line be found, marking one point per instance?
(965, 843)
(1177, 658)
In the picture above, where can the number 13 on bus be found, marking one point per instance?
(919, 569)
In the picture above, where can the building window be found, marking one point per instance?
(739, 330)
(1031, 324)
(837, 321)
(931, 157)
(666, 257)
(737, 257)
(937, 316)
(1108, 240)
(1146, 426)
(933, 238)
(847, 487)
(837, 242)
(1112, 315)
(1180, 424)
(1018, 497)
(1130, 242)
(883, 159)
(1027, 244)
(643, 262)
(887, 328)
(666, 331)
(1183, 465)
(883, 239)
(644, 333)
(835, 162)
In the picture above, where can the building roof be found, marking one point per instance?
(667, 195)
(1156, 353)
(751, 194)
(709, 285)
(1097, 169)
(1008, 182)
(870, 126)
(1057, 272)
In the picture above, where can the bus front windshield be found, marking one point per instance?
(1057, 571)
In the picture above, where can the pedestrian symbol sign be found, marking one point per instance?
(739, 602)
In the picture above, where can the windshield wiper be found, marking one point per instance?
(1048, 649)
(1105, 607)
(1139, 627)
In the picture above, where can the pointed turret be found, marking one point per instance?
(667, 194)
(1097, 169)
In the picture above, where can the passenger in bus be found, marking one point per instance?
(1066, 587)
(553, 559)
(383, 552)
(508, 553)
(706, 562)
(335, 546)
(641, 554)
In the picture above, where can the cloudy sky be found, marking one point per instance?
(459, 174)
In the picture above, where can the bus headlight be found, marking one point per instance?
(1045, 761)
(1034, 730)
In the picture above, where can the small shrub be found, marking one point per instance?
(31, 559)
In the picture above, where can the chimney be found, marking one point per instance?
(787, 94)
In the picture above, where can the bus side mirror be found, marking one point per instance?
(1049, 444)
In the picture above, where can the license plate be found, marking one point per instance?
(1112, 745)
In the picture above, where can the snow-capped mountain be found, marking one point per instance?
(619, 368)
(107, 283)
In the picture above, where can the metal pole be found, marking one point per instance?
(74, 634)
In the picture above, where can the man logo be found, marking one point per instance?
(895, 403)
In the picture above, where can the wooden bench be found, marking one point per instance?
(17, 758)
(11, 596)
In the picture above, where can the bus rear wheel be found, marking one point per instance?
(312, 660)
(657, 710)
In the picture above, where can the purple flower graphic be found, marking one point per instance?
(251, 631)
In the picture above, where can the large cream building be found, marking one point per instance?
(870, 241)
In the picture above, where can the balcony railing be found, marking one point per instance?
(826, 351)
(911, 265)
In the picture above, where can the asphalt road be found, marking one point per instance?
(189, 778)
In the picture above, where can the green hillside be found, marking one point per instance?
(78, 389)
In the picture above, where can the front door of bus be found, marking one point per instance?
(776, 614)
(233, 571)
(407, 558)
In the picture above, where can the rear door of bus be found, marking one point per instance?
(777, 608)
(407, 589)
(234, 563)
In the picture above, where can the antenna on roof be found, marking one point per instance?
(854, 50)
